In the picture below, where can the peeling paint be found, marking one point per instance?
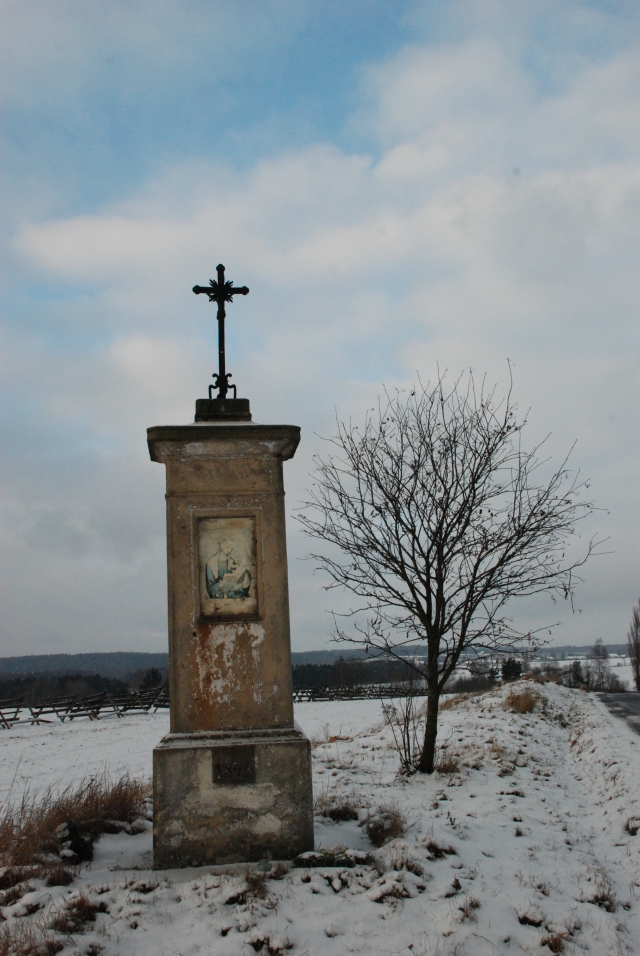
(219, 659)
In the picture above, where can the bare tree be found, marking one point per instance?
(633, 645)
(599, 674)
(436, 517)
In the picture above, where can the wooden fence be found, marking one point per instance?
(148, 701)
(68, 708)
(360, 692)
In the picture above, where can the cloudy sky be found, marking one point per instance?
(401, 184)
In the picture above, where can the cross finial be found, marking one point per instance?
(221, 292)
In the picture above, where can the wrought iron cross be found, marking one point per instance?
(221, 292)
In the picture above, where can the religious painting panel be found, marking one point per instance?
(227, 567)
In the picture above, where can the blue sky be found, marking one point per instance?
(402, 185)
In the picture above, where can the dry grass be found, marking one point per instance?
(437, 851)
(59, 875)
(555, 942)
(447, 762)
(526, 919)
(467, 908)
(74, 915)
(257, 883)
(20, 939)
(385, 824)
(28, 829)
(279, 871)
(15, 893)
(521, 702)
(605, 897)
(336, 807)
(400, 859)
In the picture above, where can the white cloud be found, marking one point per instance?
(361, 272)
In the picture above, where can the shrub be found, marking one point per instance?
(521, 702)
(73, 916)
(385, 824)
(511, 669)
(469, 685)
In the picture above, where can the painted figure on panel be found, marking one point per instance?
(227, 566)
(224, 578)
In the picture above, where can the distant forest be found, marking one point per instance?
(36, 688)
(49, 676)
(348, 673)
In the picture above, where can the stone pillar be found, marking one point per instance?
(232, 780)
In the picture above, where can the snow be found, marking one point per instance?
(567, 777)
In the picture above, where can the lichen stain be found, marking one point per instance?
(228, 663)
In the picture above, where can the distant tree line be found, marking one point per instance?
(592, 674)
(36, 688)
(349, 673)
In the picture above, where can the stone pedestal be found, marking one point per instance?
(232, 780)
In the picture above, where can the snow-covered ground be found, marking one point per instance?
(535, 813)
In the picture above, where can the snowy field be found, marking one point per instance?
(535, 815)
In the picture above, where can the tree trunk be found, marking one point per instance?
(427, 759)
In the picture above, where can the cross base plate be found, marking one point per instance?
(223, 410)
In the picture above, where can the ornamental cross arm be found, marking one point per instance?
(220, 292)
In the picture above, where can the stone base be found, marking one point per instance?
(231, 797)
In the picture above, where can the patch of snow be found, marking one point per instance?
(532, 822)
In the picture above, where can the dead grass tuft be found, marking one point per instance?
(14, 875)
(526, 919)
(337, 808)
(15, 893)
(385, 824)
(521, 702)
(555, 942)
(467, 907)
(447, 762)
(437, 851)
(257, 883)
(145, 888)
(279, 871)
(28, 829)
(59, 875)
(75, 913)
(632, 826)
(605, 897)
(400, 859)
(454, 889)
(262, 942)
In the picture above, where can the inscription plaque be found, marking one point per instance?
(234, 765)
